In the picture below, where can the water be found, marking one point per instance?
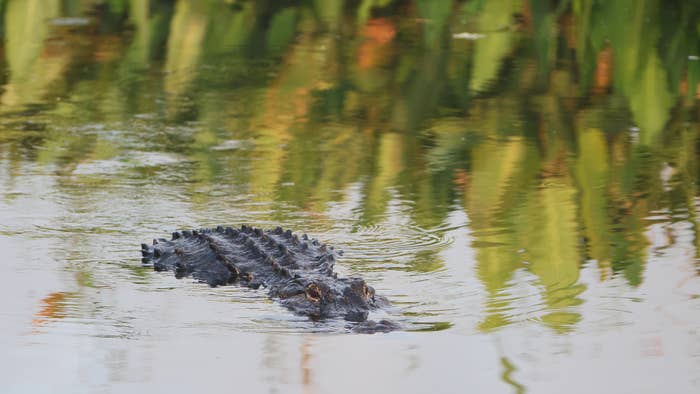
(520, 181)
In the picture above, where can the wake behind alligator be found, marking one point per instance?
(296, 271)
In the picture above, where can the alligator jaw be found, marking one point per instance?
(372, 327)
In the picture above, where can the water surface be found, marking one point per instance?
(519, 180)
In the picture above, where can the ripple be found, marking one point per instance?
(229, 145)
(138, 159)
(395, 242)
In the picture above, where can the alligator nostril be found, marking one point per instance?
(313, 293)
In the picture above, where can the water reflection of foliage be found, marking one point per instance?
(527, 126)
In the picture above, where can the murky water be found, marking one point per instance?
(520, 181)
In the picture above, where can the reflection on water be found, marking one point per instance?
(519, 176)
(53, 308)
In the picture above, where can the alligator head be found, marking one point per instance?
(350, 298)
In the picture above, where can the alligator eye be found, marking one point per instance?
(313, 293)
(369, 292)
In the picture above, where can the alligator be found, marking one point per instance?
(296, 271)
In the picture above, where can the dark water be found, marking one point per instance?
(519, 178)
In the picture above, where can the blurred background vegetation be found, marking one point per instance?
(560, 127)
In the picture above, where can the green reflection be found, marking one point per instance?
(33, 64)
(558, 127)
(508, 369)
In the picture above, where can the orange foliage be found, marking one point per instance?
(603, 71)
(378, 33)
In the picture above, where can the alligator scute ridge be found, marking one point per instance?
(297, 271)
